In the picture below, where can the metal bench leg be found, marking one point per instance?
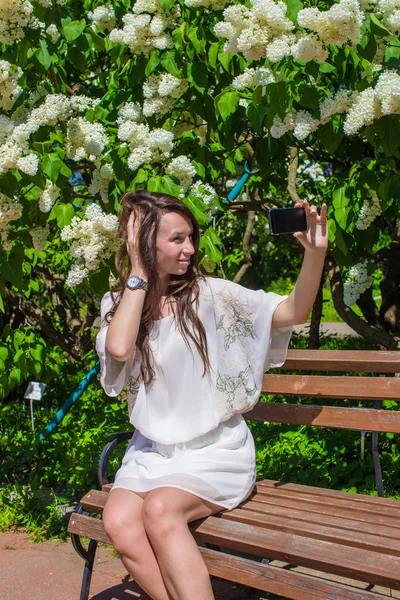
(88, 569)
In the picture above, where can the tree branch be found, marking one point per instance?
(246, 247)
(373, 334)
(293, 165)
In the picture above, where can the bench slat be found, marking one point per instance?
(268, 578)
(325, 492)
(317, 530)
(362, 361)
(315, 554)
(307, 500)
(301, 516)
(351, 388)
(327, 510)
(358, 419)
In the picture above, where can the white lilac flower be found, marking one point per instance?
(363, 111)
(338, 25)
(6, 127)
(387, 91)
(131, 111)
(253, 78)
(207, 194)
(159, 91)
(256, 32)
(309, 47)
(101, 180)
(103, 17)
(208, 264)
(53, 32)
(336, 104)
(358, 280)
(369, 211)
(279, 127)
(10, 210)
(9, 88)
(94, 239)
(182, 168)
(15, 15)
(48, 196)
(28, 164)
(146, 28)
(390, 10)
(157, 106)
(305, 124)
(85, 140)
(39, 237)
(312, 170)
(211, 4)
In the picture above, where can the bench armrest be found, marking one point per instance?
(117, 438)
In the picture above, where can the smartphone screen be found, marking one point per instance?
(287, 220)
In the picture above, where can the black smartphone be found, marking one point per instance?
(287, 220)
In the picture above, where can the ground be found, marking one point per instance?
(52, 571)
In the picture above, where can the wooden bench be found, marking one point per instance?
(282, 530)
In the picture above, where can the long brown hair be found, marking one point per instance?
(184, 289)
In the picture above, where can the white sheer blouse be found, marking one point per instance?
(181, 404)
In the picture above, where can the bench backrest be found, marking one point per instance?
(385, 386)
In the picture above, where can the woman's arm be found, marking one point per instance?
(296, 308)
(124, 327)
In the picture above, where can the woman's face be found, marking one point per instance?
(174, 244)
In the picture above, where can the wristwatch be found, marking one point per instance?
(137, 283)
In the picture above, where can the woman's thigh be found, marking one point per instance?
(168, 503)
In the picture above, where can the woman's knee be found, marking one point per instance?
(123, 523)
(159, 517)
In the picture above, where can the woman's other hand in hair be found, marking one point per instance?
(132, 245)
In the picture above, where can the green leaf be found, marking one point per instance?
(53, 166)
(213, 54)
(43, 56)
(256, 114)
(74, 30)
(63, 213)
(193, 204)
(152, 63)
(3, 352)
(169, 64)
(197, 37)
(226, 104)
(330, 138)
(12, 270)
(377, 28)
(391, 141)
(99, 281)
(164, 185)
(309, 97)
(208, 244)
(326, 68)
(392, 56)
(341, 217)
(293, 9)
(278, 99)
(339, 198)
(367, 47)
(197, 74)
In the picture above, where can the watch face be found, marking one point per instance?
(133, 280)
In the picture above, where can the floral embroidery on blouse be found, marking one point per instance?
(234, 317)
(235, 386)
(132, 388)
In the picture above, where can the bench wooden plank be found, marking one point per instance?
(290, 584)
(351, 388)
(309, 501)
(318, 530)
(315, 554)
(325, 492)
(362, 361)
(361, 419)
(326, 510)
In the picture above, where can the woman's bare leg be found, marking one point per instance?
(166, 514)
(123, 523)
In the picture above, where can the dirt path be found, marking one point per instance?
(51, 571)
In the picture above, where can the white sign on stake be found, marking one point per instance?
(35, 390)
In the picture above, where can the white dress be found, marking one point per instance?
(189, 430)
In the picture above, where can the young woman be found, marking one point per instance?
(191, 351)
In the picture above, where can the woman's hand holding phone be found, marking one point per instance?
(316, 236)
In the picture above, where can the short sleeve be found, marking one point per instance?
(113, 373)
(248, 345)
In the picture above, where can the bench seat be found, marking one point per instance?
(350, 535)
